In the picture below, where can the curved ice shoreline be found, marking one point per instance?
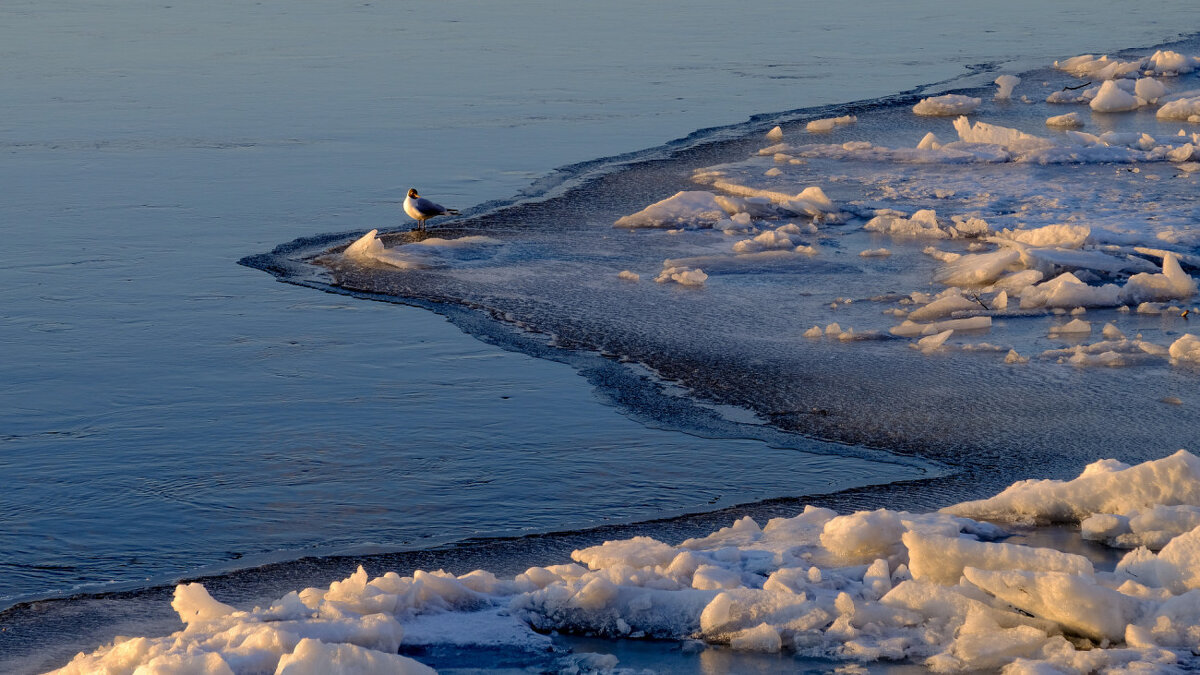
(939, 588)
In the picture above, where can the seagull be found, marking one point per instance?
(420, 209)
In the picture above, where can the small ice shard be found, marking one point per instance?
(1111, 332)
(929, 142)
(775, 135)
(1112, 98)
(1000, 302)
(947, 105)
(833, 329)
(1006, 84)
(629, 276)
(934, 342)
(875, 253)
(814, 332)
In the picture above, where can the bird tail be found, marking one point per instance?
(453, 212)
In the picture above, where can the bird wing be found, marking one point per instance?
(429, 208)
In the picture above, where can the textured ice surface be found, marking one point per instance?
(939, 589)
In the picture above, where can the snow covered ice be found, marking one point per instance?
(943, 589)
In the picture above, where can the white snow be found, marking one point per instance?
(947, 105)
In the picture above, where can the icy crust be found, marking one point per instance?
(940, 589)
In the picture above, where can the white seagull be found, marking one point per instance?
(420, 209)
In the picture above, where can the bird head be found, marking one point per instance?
(412, 192)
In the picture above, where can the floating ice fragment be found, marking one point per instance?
(682, 275)
(1005, 85)
(1111, 98)
(934, 342)
(826, 125)
(814, 332)
(1014, 357)
(1067, 121)
(947, 105)
(1186, 349)
(1149, 89)
(313, 657)
(775, 135)
(629, 276)
(875, 253)
(695, 208)
(944, 306)
(1075, 327)
(1103, 487)
(1180, 109)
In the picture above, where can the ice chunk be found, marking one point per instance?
(761, 638)
(313, 657)
(685, 276)
(1005, 85)
(978, 270)
(947, 105)
(1076, 327)
(1059, 235)
(1149, 89)
(875, 253)
(1103, 487)
(1172, 284)
(1180, 109)
(1067, 121)
(1170, 62)
(1077, 603)
(828, 124)
(635, 552)
(941, 559)
(1013, 139)
(194, 604)
(923, 223)
(695, 208)
(1112, 98)
(629, 276)
(865, 535)
(944, 306)
(775, 135)
(1186, 349)
(934, 342)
